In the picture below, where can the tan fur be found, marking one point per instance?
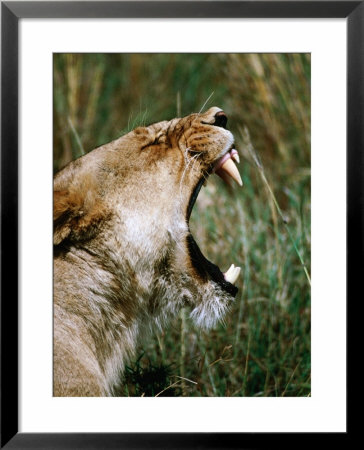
(121, 262)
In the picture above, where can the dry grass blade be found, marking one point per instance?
(186, 379)
(183, 350)
(290, 379)
(77, 137)
(245, 380)
(176, 383)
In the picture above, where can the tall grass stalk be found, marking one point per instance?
(183, 350)
(246, 274)
(81, 150)
(245, 380)
(290, 379)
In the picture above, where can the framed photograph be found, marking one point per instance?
(145, 301)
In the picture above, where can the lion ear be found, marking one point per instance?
(77, 215)
(64, 214)
(146, 136)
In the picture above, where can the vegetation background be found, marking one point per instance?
(263, 348)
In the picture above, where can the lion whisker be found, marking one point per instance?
(208, 98)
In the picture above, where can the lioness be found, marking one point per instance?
(124, 257)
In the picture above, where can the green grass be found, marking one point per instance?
(263, 349)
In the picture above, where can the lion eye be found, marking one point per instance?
(192, 151)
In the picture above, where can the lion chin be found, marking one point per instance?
(125, 261)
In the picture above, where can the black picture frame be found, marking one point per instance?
(11, 12)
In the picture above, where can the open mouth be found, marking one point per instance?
(226, 169)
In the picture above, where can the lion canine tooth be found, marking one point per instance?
(232, 267)
(231, 275)
(234, 154)
(236, 274)
(227, 274)
(230, 168)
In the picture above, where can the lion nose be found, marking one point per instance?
(220, 119)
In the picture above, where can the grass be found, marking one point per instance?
(263, 349)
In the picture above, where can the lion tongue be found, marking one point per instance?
(226, 168)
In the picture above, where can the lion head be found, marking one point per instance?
(124, 208)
